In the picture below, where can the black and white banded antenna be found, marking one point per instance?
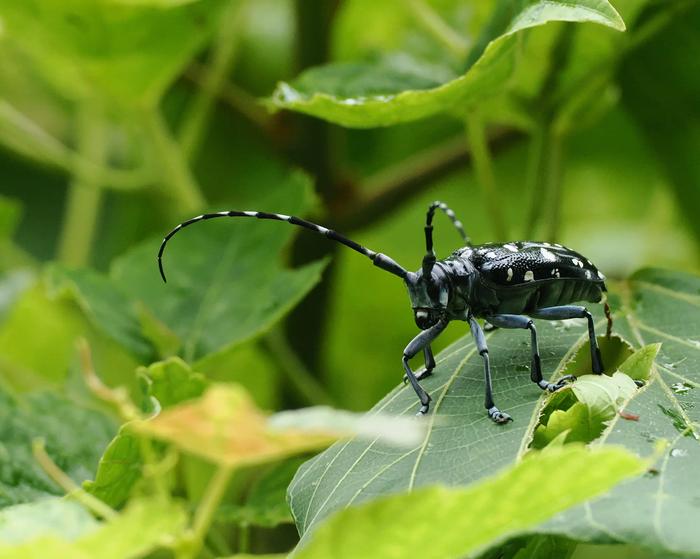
(429, 258)
(378, 259)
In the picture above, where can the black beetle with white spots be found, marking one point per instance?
(506, 284)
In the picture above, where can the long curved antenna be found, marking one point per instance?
(380, 260)
(429, 258)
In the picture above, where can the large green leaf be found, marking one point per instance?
(397, 90)
(225, 283)
(104, 304)
(75, 437)
(129, 51)
(463, 445)
(467, 521)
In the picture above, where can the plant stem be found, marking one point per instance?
(535, 177)
(294, 369)
(68, 485)
(433, 23)
(483, 167)
(545, 179)
(84, 195)
(28, 138)
(224, 53)
(234, 96)
(207, 507)
(555, 181)
(183, 189)
(244, 538)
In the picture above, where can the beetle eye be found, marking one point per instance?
(424, 320)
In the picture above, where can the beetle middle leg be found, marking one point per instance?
(421, 342)
(525, 322)
(575, 311)
(494, 413)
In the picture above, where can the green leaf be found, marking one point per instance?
(75, 437)
(225, 282)
(142, 527)
(169, 383)
(129, 51)
(463, 445)
(104, 304)
(393, 91)
(52, 516)
(118, 470)
(583, 412)
(266, 503)
(467, 521)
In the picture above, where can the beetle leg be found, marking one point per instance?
(575, 311)
(429, 365)
(525, 322)
(494, 413)
(420, 342)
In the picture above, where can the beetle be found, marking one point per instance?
(507, 284)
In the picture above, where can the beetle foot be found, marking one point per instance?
(419, 376)
(561, 383)
(498, 416)
(423, 409)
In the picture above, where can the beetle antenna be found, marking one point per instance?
(380, 260)
(429, 258)
(429, 225)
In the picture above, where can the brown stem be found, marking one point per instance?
(397, 185)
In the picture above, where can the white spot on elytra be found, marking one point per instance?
(577, 262)
(223, 213)
(546, 244)
(510, 274)
(285, 217)
(250, 214)
(511, 247)
(529, 276)
(601, 276)
(588, 274)
(549, 256)
(555, 272)
(558, 245)
(490, 254)
(322, 230)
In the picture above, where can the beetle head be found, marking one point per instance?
(429, 293)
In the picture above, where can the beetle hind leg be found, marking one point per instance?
(575, 311)
(524, 322)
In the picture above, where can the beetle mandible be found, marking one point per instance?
(506, 284)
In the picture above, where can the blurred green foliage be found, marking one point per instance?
(121, 118)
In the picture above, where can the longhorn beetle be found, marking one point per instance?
(506, 284)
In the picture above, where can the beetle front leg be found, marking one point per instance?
(420, 342)
(494, 413)
(575, 311)
(429, 365)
